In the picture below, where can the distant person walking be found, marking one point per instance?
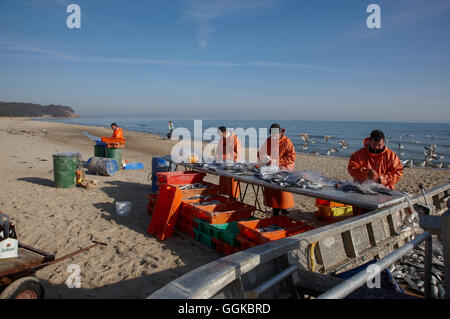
(171, 128)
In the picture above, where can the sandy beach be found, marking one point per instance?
(133, 264)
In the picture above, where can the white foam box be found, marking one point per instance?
(9, 248)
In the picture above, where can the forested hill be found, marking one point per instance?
(16, 109)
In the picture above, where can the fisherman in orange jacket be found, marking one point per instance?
(279, 201)
(375, 162)
(228, 150)
(118, 133)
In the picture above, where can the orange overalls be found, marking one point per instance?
(286, 161)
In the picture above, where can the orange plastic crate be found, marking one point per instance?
(222, 213)
(187, 194)
(245, 243)
(223, 247)
(165, 212)
(328, 203)
(108, 140)
(187, 218)
(180, 178)
(186, 228)
(250, 229)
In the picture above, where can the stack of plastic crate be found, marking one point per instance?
(217, 223)
(261, 231)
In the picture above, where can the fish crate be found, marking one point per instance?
(223, 247)
(224, 232)
(186, 228)
(187, 218)
(150, 209)
(165, 213)
(245, 243)
(190, 194)
(222, 213)
(269, 229)
(204, 238)
(152, 199)
(180, 178)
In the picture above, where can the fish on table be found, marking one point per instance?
(368, 188)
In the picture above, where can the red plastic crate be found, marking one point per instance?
(222, 213)
(245, 243)
(152, 198)
(165, 213)
(150, 210)
(180, 178)
(249, 229)
(187, 194)
(187, 218)
(186, 228)
(223, 247)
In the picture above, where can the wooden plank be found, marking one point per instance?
(25, 260)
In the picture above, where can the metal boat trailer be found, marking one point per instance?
(304, 262)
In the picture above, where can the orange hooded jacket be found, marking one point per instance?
(286, 160)
(386, 164)
(118, 133)
(228, 150)
(286, 156)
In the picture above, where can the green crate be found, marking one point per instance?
(204, 238)
(224, 232)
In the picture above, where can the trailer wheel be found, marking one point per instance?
(24, 288)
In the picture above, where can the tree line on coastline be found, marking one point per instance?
(18, 109)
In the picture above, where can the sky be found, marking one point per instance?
(252, 59)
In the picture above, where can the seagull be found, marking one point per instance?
(408, 163)
(402, 154)
(315, 153)
(305, 137)
(333, 150)
(305, 146)
(409, 135)
(439, 165)
(326, 138)
(343, 144)
(430, 153)
(400, 146)
(417, 142)
(312, 141)
(423, 164)
(328, 153)
(441, 156)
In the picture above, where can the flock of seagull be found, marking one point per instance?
(308, 141)
(430, 152)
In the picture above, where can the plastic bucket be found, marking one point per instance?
(115, 153)
(64, 169)
(123, 208)
(99, 150)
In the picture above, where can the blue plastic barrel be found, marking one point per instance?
(158, 165)
(102, 166)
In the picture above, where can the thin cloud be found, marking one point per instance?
(203, 13)
(38, 53)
